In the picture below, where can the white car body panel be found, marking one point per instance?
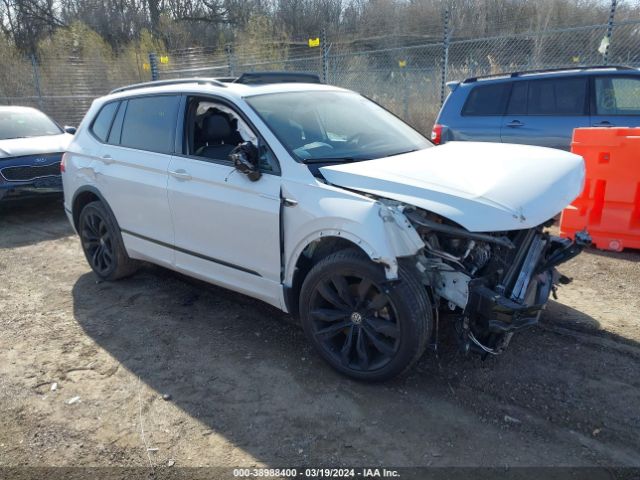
(220, 214)
(135, 182)
(17, 147)
(326, 211)
(481, 186)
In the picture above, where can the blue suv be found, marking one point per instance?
(540, 107)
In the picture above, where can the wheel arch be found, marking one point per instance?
(83, 197)
(311, 251)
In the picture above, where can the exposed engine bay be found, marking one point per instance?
(492, 283)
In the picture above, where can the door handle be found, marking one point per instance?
(180, 174)
(604, 123)
(515, 123)
(107, 159)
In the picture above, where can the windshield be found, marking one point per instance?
(26, 123)
(328, 126)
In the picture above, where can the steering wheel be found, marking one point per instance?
(367, 139)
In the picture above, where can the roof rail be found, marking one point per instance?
(175, 81)
(226, 79)
(548, 70)
(262, 78)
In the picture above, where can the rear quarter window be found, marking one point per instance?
(102, 123)
(487, 100)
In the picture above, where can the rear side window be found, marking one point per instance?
(617, 95)
(558, 96)
(150, 123)
(102, 124)
(518, 100)
(487, 100)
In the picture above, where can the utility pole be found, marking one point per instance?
(231, 67)
(36, 80)
(612, 14)
(445, 56)
(153, 64)
(325, 55)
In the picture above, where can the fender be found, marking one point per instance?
(382, 231)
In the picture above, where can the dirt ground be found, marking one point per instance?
(243, 388)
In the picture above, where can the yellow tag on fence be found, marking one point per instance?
(402, 63)
(164, 59)
(146, 67)
(314, 42)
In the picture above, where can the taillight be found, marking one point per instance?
(436, 134)
(62, 162)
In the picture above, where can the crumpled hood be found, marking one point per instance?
(17, 147)
(482, 186)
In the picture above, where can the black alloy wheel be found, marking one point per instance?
(355, 321)
(363, 325)
(97, 243)
(102, 243)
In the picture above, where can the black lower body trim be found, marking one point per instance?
(193, 254)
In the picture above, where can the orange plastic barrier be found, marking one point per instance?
(609, 205)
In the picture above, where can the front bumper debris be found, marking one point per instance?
(497, 313)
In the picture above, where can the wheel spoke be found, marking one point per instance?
(105, 258)
(89, 236)
(96, 256)
(384, 327)
(377, 342)
(346, 348)
(342, 287)
(332, 330)
(88, 230)
(331, 296)
(363, 289)
(90, 244)
(102, 227)
(329, 314)
(107, 254)
(361, 349)
(94, 223)
(377, 302)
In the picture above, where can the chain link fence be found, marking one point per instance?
(406, 74)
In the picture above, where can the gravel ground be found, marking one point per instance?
(159, 369)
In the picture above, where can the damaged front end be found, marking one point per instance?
(492, 283)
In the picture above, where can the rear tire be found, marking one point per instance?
(363, 325)
(102, 243)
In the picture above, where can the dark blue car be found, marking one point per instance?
(31, 146)
(539, 107)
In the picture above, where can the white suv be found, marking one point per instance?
(316, 200)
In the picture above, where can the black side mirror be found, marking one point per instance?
(245, 158)
(71, 130)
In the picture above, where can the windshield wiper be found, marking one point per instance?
(334, 160)
(402, 153)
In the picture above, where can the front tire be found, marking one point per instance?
(102, 243)
(363, 325)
